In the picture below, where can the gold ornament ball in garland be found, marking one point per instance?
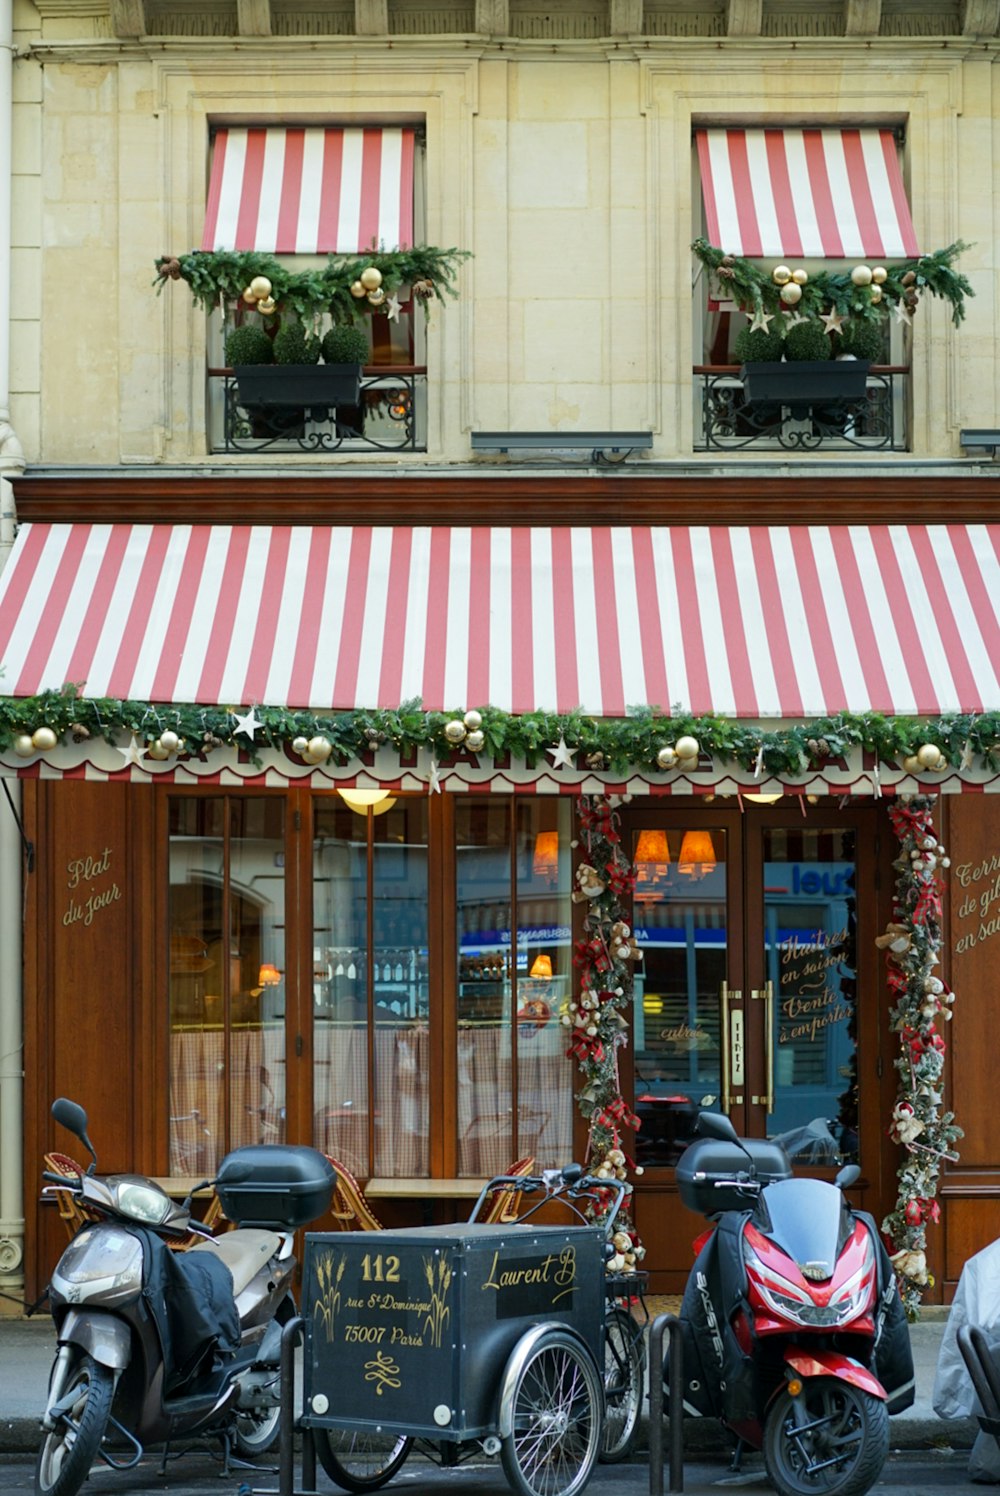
(861, 275)
(800, 277)
(358, 291)
(475, 740)
(791, 294)
(23, 745)
(473, 721)
(687, 747)
(44, 739)
(371, 278)
(454, 731)
(666, 758)
(781, 275)
(879, 274)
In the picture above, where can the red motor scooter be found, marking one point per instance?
(794, 1333)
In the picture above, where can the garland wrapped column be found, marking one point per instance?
(912, 943)
(596, 1017)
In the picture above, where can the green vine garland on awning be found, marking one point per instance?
(743, 281)
(616, 745)
(218, 277)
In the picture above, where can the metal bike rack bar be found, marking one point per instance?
(665, 1324)
(291, 1334)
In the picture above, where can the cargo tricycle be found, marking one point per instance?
(475, 1339)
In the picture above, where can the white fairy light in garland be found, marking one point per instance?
(912, 943)
(595, 1017)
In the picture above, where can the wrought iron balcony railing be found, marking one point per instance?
(390, 416)
(725, 420)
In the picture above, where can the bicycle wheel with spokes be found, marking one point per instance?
(624, 1365)
(555, 1432)
(360, 1461)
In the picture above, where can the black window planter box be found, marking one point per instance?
(807, 382)
(297, 385)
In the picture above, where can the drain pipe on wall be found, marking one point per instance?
(11, 871)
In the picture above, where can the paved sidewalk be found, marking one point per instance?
(27, 1348)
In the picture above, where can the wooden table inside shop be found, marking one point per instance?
(424, 1190)
(179, 1187)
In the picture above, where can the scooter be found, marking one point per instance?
(156, 1344)
(792, 1328)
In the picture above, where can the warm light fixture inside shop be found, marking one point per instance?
(361, 801)
(697, 855)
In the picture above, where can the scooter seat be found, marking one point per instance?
(244, 1252)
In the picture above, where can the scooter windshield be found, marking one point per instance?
(805, 1220)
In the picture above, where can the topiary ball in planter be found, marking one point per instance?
(807, 342)
(345, 344)
(863, 338)
(248, 345)
(755, 345)
(293, 345)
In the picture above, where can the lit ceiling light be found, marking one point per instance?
(361, 801)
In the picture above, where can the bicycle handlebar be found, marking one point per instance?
(568, 1184)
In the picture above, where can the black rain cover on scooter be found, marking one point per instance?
(893, 1350)
(190, 1296)
(719, 1377)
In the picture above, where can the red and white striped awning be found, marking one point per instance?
(310, 190)
(835, 194)
(748, 622)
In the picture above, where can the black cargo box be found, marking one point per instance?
(710, 1159)
(275, 1184)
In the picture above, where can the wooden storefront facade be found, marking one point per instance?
(107, 972)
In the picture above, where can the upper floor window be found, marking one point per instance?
(795, 202)
(305, 192)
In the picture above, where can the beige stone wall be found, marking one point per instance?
(566, 168)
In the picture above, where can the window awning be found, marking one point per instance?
(830, 193)
(310, 190)
(747, 622)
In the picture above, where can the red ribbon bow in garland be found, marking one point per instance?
(586, 1046)
(621, 879)
(592, 953)
(616, 1111)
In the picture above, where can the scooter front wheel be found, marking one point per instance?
(68, 1452)
(831, 1439)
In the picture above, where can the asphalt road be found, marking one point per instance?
(906, 1474)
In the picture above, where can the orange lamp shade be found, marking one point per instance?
(541, 966)
(651, 849)
(545, 863)
(697, 854)
(269, 975)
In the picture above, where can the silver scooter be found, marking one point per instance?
(156, 1344)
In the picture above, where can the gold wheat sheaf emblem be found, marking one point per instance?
(438, 1275)
(327, 1305)
(383, 1371)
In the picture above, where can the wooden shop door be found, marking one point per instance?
(756, 995)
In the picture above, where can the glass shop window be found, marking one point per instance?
(226, 914)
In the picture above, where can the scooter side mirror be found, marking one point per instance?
(71, 1115)
(848, 1175)
(717, 1125)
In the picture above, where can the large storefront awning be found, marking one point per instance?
(834, 193)
(310, 190)
(758, 624)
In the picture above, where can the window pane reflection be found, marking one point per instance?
(370, 988)
(515, 971)
(811, 933)
(226, 984)
(680, 924)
